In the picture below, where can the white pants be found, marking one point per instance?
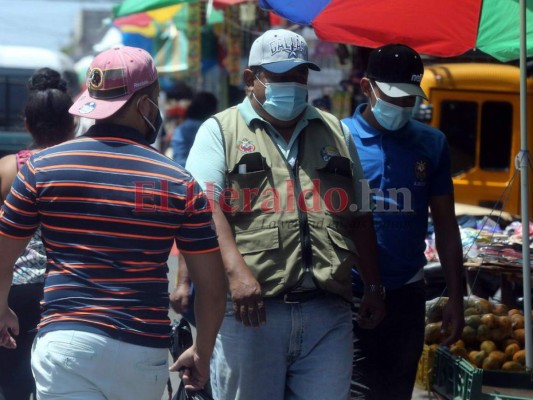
(78, 365)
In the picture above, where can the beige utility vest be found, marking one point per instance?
(285, 219)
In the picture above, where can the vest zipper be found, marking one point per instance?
(303, 223)
(305, 235)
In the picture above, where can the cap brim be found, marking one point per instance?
(280, 67)
(401, 89)
(88, 107)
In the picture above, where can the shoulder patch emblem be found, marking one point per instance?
(327, 152)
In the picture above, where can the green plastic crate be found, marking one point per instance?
(454, 378)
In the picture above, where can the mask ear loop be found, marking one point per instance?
(143, 117)
(253, 94)
(375, 95)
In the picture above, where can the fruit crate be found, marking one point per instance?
(424, 373)
(454, 378)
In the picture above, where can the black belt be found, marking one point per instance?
(301, 296)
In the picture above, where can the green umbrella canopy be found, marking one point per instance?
(128, 7)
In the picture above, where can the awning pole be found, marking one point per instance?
(523, 159)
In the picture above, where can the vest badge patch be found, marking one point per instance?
(246, 146)
(328, 151)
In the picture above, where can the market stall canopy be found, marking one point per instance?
(433, 27)
(129, 7)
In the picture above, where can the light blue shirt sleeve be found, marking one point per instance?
(362, 188)
(206, 161)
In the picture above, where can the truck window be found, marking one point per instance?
(458, 120)
(496, 135)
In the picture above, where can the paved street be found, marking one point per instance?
(172, 269)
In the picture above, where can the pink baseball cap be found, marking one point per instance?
(112, 78)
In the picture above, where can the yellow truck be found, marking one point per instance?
(477, 106)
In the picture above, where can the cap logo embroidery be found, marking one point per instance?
(96, 78)
(294, 47)
(416, 78)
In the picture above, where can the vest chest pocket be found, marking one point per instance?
(260, 250)
(337, 189)
(247, 181)
(343, 256)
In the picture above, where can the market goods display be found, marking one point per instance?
(493, 337)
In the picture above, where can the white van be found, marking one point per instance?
(17, 64)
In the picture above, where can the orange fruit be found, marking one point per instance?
(489, 320)
(519, 334)
(512, 366)
(499, 309)
(499, 356)
(517, 321)
(511, 349)
(520, 357)
(488, 346)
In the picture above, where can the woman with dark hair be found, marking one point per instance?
(203, 105)
(47, 118)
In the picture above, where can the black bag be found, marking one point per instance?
(183, 394)
(180, 338)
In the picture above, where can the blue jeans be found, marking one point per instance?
(303, 352)
(77, 365)
(386, 358)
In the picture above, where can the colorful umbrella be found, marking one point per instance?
(433, 27)
(129, 7)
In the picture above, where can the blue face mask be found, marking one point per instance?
(390, 116)
(284, 100)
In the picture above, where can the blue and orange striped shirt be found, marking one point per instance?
(110, 208)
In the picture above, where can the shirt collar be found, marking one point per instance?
(367, 131)
(118, 131)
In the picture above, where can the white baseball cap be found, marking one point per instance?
(279, 51)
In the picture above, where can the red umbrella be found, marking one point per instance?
(433, 27)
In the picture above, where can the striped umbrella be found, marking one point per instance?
(433, 27)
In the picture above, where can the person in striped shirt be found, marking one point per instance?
(110, 208)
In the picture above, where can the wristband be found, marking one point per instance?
(377, 289)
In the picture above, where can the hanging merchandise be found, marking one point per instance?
(247, 13)
(179, 51)
(232, 61)
(194, 35)
(341, 103)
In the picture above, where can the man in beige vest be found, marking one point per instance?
(288, 190)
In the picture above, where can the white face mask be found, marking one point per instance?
(390, 116)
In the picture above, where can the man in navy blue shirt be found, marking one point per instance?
(110, 208)
(408, 168)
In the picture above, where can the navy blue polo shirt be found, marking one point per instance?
(405, 168)
(110, 208)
